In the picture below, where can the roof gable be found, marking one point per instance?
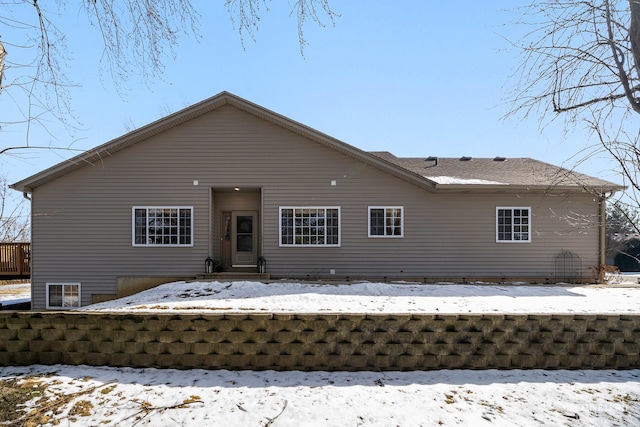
(433, 174)
(95, 155)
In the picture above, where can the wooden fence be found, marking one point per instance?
(15, 260)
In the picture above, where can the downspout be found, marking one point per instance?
(210, 212)
(261, 234)
(602, 228)
(602, 236)
(26, 196)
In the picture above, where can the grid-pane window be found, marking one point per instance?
(310, 226)
(513, 224)
(386, 221)
(162, 226)
(63, 295)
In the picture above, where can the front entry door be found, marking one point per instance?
(244, 248)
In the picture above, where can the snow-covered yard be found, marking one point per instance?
(128, 397)
(369, 297)
(15, 293)
(150, 397)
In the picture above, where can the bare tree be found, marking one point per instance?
(245, 14)
(14, 217)
(137, 37)
(581, 64)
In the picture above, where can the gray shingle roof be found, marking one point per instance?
(497, 171)
(448, 174)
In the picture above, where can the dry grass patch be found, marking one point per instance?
(14, 394)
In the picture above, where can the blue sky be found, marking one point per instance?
(417, 78)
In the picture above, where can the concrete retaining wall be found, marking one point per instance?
(321, 341)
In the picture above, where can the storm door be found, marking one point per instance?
(225, 238)
(244, 248)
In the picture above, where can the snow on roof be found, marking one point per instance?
(464, 181)
(496, 171)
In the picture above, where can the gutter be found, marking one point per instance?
(601, 191)
(498, 188)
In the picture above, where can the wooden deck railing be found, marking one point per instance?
(15, 259)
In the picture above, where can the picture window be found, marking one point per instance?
(162, 226)
(309, 226)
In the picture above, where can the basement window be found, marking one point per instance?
(63, 295)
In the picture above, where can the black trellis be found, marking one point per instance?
(568, 267)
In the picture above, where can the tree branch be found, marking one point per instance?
(619, 58)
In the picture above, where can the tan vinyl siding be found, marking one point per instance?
(447, 236)
(82, 220)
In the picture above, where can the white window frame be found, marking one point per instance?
(308, 245)
(514, 233)
(386, 209)
(74, 303)
(163, 245)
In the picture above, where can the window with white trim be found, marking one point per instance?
(162, 226)
(63, 295)
(385, 221)
(309, 226)
(513, 224)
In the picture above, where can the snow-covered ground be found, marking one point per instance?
(369, 297)
(15, 293)
(128, 397)
(150, 397)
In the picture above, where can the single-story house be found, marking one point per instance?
(230, 180)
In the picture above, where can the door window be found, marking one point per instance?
(244, 233)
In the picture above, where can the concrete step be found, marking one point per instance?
(233, 275)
